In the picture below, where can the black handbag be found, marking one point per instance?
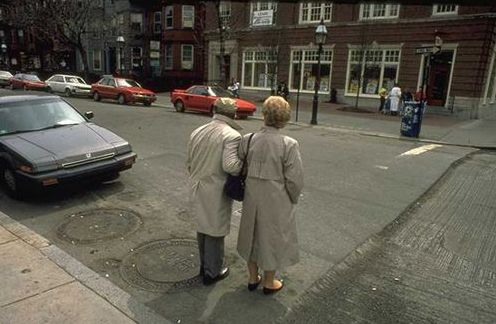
(234, 187)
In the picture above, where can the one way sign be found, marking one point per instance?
(428, 50)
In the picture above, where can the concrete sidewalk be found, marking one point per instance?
(436, 128)
(43, 284)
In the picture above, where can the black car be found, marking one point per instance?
(44, 141)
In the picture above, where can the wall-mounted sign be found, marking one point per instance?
(262, 18)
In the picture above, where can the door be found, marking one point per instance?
(111, 57)
(438, 78)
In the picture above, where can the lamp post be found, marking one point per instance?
(4, 54)
(438, 42)
(320, 38)
(120, 42)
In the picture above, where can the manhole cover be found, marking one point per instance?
(98, 225)
(163, 265)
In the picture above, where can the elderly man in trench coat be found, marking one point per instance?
(212, 155)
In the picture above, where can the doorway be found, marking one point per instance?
(439, 78)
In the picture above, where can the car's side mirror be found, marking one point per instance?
(89, 114)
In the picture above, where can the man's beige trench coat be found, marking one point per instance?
(212, 154)
(267, 233)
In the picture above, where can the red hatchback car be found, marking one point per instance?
(122, 89)
(27, 82)
(201, 98)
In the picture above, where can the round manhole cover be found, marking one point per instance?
(98, 225)
(163, 265)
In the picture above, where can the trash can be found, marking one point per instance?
(411, 121)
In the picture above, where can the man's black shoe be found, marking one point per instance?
(207, 280)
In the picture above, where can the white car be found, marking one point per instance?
(5, 77)
(70, 85)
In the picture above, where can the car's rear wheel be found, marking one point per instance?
(49, 90)
(147, 103)
(121, 100)
(96, 96)
(211, 111)
(25, 88)
(68, 92)
(11, 183)
(179, 105)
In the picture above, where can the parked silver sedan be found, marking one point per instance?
(44, 141)
(70, 85)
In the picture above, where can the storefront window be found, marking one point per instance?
(260, 68)
(304, 71)
(377, 68)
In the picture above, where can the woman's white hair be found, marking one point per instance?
(276, 111)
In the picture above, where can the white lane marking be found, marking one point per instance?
(420, 150)
(382, 167)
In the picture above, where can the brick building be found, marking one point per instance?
(183, 45)
(368, 46)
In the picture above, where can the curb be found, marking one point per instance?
(114, 295)
(385, 135)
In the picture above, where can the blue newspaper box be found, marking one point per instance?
(411, 121)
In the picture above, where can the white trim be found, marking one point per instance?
(448, 13)
(183, 7)
(310, 47)
(488, 80)
(322, 8)
(172, 17)
(387, 9)
(192, 57)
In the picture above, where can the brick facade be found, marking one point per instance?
(461, 71)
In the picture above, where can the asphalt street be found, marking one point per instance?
(354, 187)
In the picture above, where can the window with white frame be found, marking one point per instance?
(373, 69)
(313, 12)
(259, 68)
(97, 59)
(187, 57)
(157, 22)
(304, 69)
(444, 9)
(263, 13)
(137, 57)
(225, 12)
(168, 57)
(188, 16)
(136, 22)
(169, 17)
(379, 11)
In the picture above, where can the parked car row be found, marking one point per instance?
(108, 87)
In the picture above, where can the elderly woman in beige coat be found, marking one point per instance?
(267, 234)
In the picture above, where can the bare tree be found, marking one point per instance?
(62, 21)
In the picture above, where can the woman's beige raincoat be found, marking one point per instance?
(267, 233)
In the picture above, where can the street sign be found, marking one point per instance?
(423, 50)
(428, 50)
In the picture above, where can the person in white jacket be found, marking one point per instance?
(394, 97)
(212, 155)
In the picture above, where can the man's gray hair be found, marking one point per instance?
(225, 106)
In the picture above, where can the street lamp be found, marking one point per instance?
(320, 38)
(4, 53)
(438, 42)
(120, 41)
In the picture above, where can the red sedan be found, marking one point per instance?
(27, 82)
(201, 98)
(124, 90)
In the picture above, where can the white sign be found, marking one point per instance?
(262, 18)
(155, 45)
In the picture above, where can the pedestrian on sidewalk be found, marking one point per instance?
(234, 87)
(382, 98)
(267, 233)
(212, 155)
(395, 96)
